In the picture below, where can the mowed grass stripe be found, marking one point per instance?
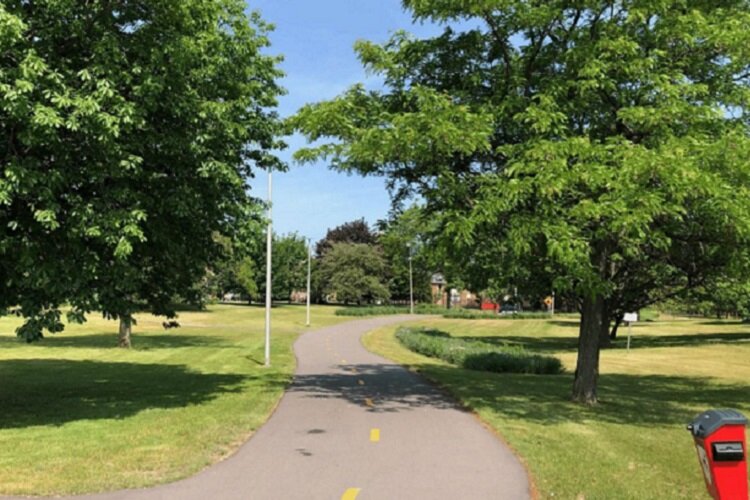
(634, 443)
(80, 415)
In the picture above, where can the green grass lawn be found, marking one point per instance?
(631, 446)
(77, 414)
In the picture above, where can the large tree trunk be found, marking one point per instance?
(126, 326)
(587, 367)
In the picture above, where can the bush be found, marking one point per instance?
(387, 310)
(475, 314)
(477, 355)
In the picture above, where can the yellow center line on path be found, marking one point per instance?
(374, 435)
(369, 402)
(361, 382)
(350, 494)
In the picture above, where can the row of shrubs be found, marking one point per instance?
(474, 314)
(435, 309)
(385, 310)
(477, 355)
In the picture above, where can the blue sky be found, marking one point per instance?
(316, 38)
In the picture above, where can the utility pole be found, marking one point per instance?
(269, 245)
(309, 268)
(552, 311)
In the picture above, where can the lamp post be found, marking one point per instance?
(269, 245)
(309, 268)
(552, 311)
(411, 283)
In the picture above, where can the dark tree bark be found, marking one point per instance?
(126, 327)
(605, 340)
(618, 322)
(587, 366)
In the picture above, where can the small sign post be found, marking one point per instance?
(550, 303)
(630, 318)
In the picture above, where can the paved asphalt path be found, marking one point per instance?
(354, 425)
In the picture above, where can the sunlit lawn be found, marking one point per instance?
(634, 444)
(79, 415)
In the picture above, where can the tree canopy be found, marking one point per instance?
(356, 231)
(406, 237)
(353, 273)
(604, 144)
(130, 129)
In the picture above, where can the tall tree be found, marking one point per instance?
(605, 142)
(289, 267)
(356, 231)
(405, 240)
(131, 128)
(353, 273)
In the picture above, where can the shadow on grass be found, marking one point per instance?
(165, 340)
(638, 341)
(56, 391)
(641, 400)
(536, 344)
(386, 388)
(550, 344)
(567, 324)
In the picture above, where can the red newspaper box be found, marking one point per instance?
(722, 452)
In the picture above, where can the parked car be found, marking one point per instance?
(509, 308)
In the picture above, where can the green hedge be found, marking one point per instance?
(475, 314)
(386, 310)
(435, 309)
(477, 355)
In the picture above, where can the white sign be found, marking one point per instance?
(630, 317)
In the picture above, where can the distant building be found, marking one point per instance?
(441, 294)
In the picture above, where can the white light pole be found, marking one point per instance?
(269, 245)
(309, 268)
(411, 283)
(552, 312)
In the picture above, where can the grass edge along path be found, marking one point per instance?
(83, 416)
(632, 446)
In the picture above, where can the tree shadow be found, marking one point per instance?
(376, 388)
(56, 391)
(641, 400)
(638, 341)
(537, 344)
(552, 344)
(723, 322)
(567, 324)
(109, 341)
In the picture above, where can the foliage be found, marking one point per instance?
(129, 133)
(405, 237)
(474, 355)
(289, 266)
(720, 298)
(353, 273)
(600, 147)
(474, 314)
(356, 231)
(236, 269)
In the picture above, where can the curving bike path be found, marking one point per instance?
(354, 425)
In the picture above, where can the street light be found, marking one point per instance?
(309, 267)
(411, 283)
(269, 245)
